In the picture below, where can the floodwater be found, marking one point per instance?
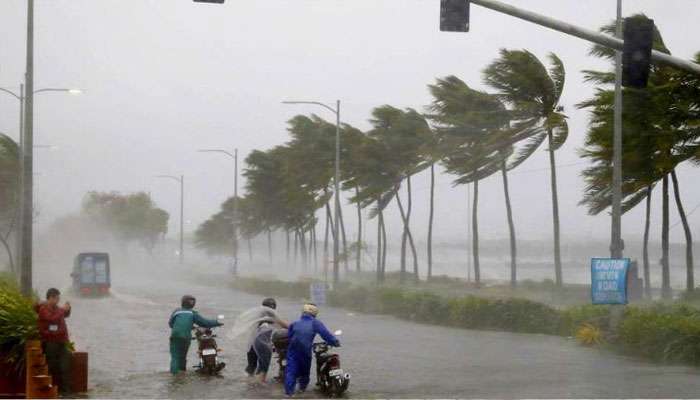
(126, 336)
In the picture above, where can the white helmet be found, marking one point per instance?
(311, 309)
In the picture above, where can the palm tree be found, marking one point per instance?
(9, 193)
(375, 176)
(473, 126)
(352, 157)
(657, 136)
(432, 152)
(403, 132)
(533, 91)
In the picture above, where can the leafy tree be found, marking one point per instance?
(532, 92)
(9, 193)
(131, 217)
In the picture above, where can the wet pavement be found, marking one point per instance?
(126, 336)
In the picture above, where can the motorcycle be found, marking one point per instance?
(280, 343)
(330, 378)
(208, 351)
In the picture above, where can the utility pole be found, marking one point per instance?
(27, 162)
(235, 221)
(616, 246)
(20, 197)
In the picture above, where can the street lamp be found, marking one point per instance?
(234, 156)
(181, 181)
(24, 244)
(336, 181)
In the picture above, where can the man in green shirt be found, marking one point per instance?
(181, 322)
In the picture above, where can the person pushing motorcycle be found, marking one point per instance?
(301, 338)
(181, 322)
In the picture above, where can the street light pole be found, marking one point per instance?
(181, 181)
(21, 138)
(27, 162)
(18, 244)
(234, 156)
(336, 183)
(616, 245)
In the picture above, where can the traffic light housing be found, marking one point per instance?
(636, 52)
(454, 15)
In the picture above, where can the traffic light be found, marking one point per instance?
(636, 52)
(454, 15)
(210, 1)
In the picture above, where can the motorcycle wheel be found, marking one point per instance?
(336, 388)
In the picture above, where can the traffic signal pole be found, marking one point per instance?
(616, 244)
(583, 33)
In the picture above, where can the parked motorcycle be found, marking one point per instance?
(330, 378)
(208, 351)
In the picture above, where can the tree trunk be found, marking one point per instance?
(315, 244)
(379, 246)
(296, 248)
(511, 228)
(416, 277)
(430, 221)
(325, 244)
(665, 272)
(690, 273)
(358, 251)
(404, 238)
(645, 248)
(555, 211)
(475, 235)
(407, 237)
(384, 245)
(6, 245)
(269, 244)
(345, 242)
(250, 249)
(287, 233)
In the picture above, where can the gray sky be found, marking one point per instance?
(163, 78)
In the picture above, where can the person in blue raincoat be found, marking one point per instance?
(301, 339)
(181, 322)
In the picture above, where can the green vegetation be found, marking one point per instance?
(9, 195)
(661, 332)
(17, 320)
(124, 218)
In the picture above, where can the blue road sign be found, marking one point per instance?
(318, 293)
(609, 280)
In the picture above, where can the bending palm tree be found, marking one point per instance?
(472, 125)
(533, 92)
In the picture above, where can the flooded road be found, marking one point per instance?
(127, 338)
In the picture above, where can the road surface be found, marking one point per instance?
(127, 338)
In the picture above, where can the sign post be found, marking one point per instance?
(317, 292)
(609, 280)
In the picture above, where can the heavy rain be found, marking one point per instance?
(349, 198)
